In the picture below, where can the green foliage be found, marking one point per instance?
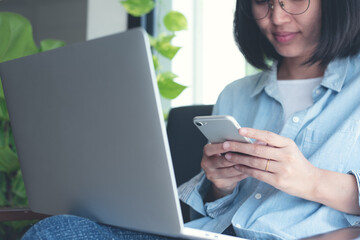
(16, 37)
(250, 70)
(50, 44)
(16, 40)
(18, 189)
(3, 188)
(173, 21)
(4, 115)
(8, 160)
(163, 45)
(14, 229)
(167, 87)
(156, 63)
(138, 8)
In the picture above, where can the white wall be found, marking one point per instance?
(209, 59)
(105, 17)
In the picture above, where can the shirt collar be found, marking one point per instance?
(334, 76)
(266, 80)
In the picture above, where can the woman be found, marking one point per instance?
(302, 175)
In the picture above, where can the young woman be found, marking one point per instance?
(302, 175)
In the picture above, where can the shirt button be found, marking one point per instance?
(318, 91)
(296, 119)
(258, 196)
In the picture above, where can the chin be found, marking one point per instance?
(289, 53)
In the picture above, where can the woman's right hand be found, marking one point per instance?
(221, 172)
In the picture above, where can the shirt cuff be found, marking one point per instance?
(354, 220)
(221, 205)
(194, 191)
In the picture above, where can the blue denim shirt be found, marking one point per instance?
(327, 133)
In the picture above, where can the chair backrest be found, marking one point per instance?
(186, 141)
(186, 144)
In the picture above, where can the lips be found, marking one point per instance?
(284, 37)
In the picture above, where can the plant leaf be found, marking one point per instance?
(21, 38)
(3, 200)
(164, 46)
(156, 62)
(5, 36)
(50, 44)
(152, 40)
(2, 134)
(17, 186)
(249, 69)
(175, 21)
(138, 8)
(1, 89)
(8, 160)
(4, 115)
(166, 76)
(167, 87)
(12, 141)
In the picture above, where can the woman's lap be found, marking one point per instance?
(72, 227)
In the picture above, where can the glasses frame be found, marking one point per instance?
(281, 3)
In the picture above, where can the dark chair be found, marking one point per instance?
(186, 144)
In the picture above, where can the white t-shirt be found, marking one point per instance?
(296, 95)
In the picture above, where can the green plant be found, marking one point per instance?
(173, 21)
(16, 40)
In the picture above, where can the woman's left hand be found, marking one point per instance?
(277, 161)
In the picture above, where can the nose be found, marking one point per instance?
(277, 14)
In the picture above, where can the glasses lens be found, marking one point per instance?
(295, 7)
(260, 8)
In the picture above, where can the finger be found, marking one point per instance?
(213, 149)
(226, 181)
(260, 175)
(265, 136)
(222, 173)
(260, 143)
(253, 162)
(217, 162)
(255, 150)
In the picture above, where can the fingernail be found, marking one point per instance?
(226, 145)
(228, 156)
(243, 131)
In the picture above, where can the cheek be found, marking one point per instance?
(314, 31)
(264, 25)
(314, 16)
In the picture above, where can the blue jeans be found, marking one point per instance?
(72, 227)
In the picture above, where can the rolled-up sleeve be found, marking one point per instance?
(194, 191)
(354, 220)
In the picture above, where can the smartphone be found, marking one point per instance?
(220, 128)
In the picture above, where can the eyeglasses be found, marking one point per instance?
(261, 8)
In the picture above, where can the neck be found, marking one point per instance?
(291, 69)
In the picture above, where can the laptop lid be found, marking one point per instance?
(90, 133)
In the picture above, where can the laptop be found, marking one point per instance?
(90, 135)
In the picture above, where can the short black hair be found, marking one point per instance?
(339, 35)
